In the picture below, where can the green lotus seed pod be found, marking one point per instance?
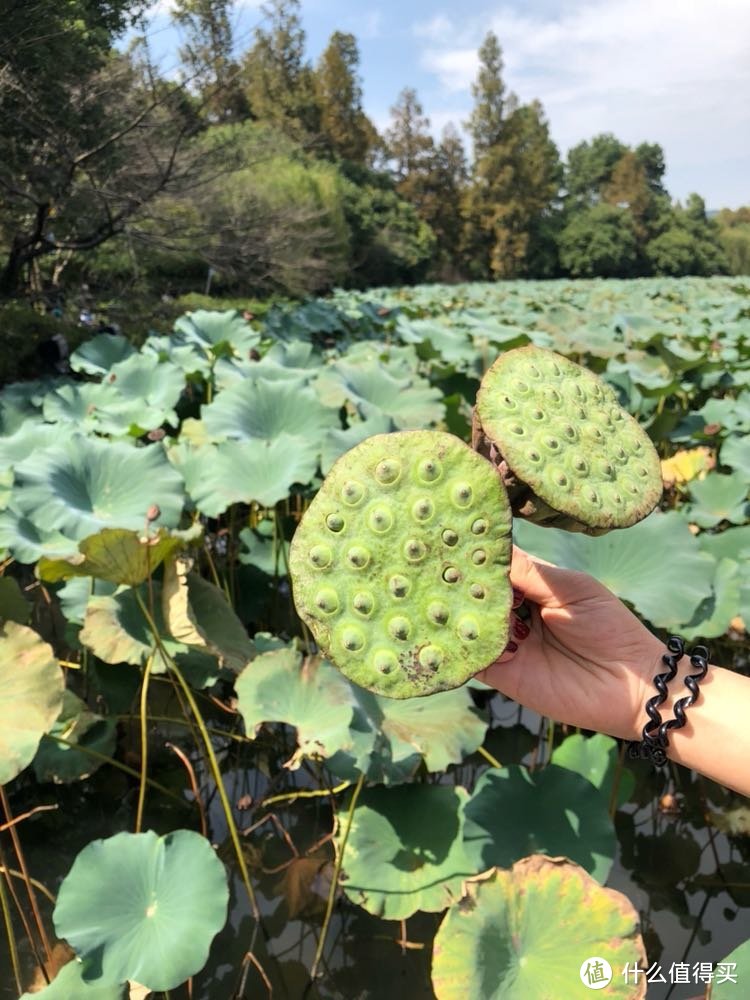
(400, 564)
(570, 456)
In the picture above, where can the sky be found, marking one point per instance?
(675, 72)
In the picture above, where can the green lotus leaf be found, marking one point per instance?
(127, 907)
(713, 615)
(259, 409)
(154, 389)
(6, 487)
(338, 441)
(30, 437)
(649, 372)
(596, 759)
(514, 812)
(735, 452)
(191, 360)
(98, 355)
(86, 484)
(410, 402)
(260, 548)
(405, 850)
(448, 340)
(217, 476)
(92, 407)
(13, 605)
(114, 554)
(718, 498)
(529, 932)
(69, 984)
(31, 696)
(732, 543)
(197, 614)
(296, 362)
(314, 698)
(27, 542)
(656, 565)
(61, 763)
(217, 334)
(75, 593)
(730, 972)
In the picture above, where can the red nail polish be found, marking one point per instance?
(520, 629)
(512, 647)
(518, 597)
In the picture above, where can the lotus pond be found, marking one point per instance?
(201, 806)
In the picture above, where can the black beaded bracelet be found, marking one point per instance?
(655, 737)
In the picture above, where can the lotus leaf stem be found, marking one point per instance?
(23, 816)
(40, 961)
(306, 794)
(493, 761)
(193, 784)
(35, 882)
(11, 938)
(144, 743)
(22, 865)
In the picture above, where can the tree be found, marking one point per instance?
(346, 131)
(590, 166)
(279, 82)
(599, 242)
(688, 242)
(409, 143)
(651, 157)
(486, 122)
(442, 196)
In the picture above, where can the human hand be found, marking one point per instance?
(586, 661)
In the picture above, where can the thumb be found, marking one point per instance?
(548, 585)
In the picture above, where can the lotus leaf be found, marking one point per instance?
(217, 334)
(129, 911)
(657, 565)
(405, 851)
(311, 696)
(86, 484)
(98, 355)
(13, 605)
(91, 406)
(69, 984)
(719, 498)
(116, 555)
(60, 762)
(263, 550)
(730, 972)
(528, 932)
(713, 615)
(27, 542)
(596, 759)
(735, 453)
(152, 388)
(337, 442)
(514, 812)
(410, 402)
(31, 696)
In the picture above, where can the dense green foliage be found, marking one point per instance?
(147, 506)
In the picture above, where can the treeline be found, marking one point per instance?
(257, 171)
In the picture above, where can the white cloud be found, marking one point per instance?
(672, 72)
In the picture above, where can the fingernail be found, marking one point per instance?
(518, 597)
(520, 629)
(512, 647)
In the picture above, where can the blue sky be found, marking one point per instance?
(670, 71)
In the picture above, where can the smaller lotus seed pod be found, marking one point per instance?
(393, 563)
(568, 448)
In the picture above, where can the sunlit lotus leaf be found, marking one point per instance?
(153, 389)
(733, 414)
(30, 437)
(114, 554)
(649, 372)
(735, 452)
(390, 739)
(198, 614)
(410, 402)
(596, 759)
(296, 361)
(217, 334)
(13, 605)
(189, 358)
(657, 565)
(98, 355)
(143, 907)
(730, 973)
(27, 542)
(85, 484)
(91, 407)
(405, 850)
(57, 761)
(262, 549)
(733, 543)
(31, 693)
(310, 695)
(719, 498)
(259, 409)
(514, 812)
(217, 476)
(529, 931)
(712, 616)
(447, 339)
(337, 441)
(68, 984)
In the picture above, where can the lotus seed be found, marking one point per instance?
(534, 371)
(423, 509)
(363, 603)
(352, 638)
(430, 470)
(414, 550)
(534, 456)
(384, 661)
(479, 557)
(520, 386)
(431, 657)
(358, 557)
(451, 574)
(592, 496)
(327, 600)
(399, 627)
(479, 526)
(468, 628)
(335, 522)
(352, 492)
(477, 591)
(580, 464)
(553, 396)
(388, 471)
(398, 585)
(462, 494)
(509, 403)
(321, 556)
(607, 470)
(561, 479)
(537, 415)
(517, 429)
(450, 537)
(569, 432)
(381, 520)
(551, 442)
(438, 613)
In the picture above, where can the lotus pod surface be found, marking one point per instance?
(400, 565)
(569, 455)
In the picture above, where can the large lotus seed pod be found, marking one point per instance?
(400, 564)
(568, 453)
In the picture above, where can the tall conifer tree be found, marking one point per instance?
(346, 131)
